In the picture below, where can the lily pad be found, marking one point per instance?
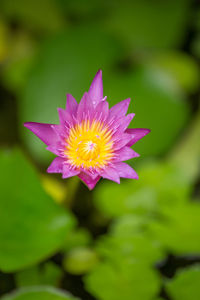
(33, 226)
(39, 293)
(185, 284)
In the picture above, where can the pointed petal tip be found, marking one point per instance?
(28, 124)
(96, 88)
(99, 72)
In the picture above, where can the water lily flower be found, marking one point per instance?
(91, 141)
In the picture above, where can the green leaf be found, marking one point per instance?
(33, 226)
(137, 247)
(77, 238)
(179, 229)
(156, 99)
(187, 152)
(160, 184)
(47, 274)
(123, 281)
(129, 240)
(27, 13)
(185, 284)
(145, 23)
(66, 64)
(80, 260)
(39, 293)
(179, 66)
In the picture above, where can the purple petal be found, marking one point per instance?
(56, 166)
(137, 134)
(56, 148)
(120, 109)
(69, 172)
(85, 108)
(60, 130)
(71, 105)
(96, 88)
(111, 174)
(44, 131)
(64, 116)
(125, 153)
(122, 141)
(125, 171)
(88, 180)
(121, 125)
(102, 110)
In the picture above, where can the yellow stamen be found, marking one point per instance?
(89, 145)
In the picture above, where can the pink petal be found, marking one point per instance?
(64, 116)
(125, 153)
(69, 172)
(56, 166)
(102, 110)
(85, 108)
(60, 130)
(125, 171)
(122, 141)
(111, 174)
(137, 134)
(120, 109)
(121, 125)
(96, 88)
(71, 105)
(56, 148)
(44, 131)
(88, 180)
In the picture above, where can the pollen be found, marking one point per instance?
(89, 145)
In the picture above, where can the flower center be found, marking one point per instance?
(88, 150)
(89, 145)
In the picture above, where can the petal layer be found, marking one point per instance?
(88, 180)
(111, 174)
(120, 109)
(44, 131)
(125, 153)
(71, 105)
(96, 88)
(69, 172)
(137, 134)
(125, 171)
(56, 166)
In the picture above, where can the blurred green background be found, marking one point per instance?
(139, 240)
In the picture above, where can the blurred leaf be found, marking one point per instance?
(185, 284)
(179, 229)
(130, 248)
(129, 225)
(187, 152)
(160, 184)
(33, 227)
(180, 66)
(47, 274)
(115, 282)
(129, 239)
(156, 99)
(149, 23)
(80, 260)
(196, 45)
(4, 41)
(39, 293)
(77, 238)
(81, 10)
(20, 58)
(41, 16)
(67, 64)
(54, 188)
